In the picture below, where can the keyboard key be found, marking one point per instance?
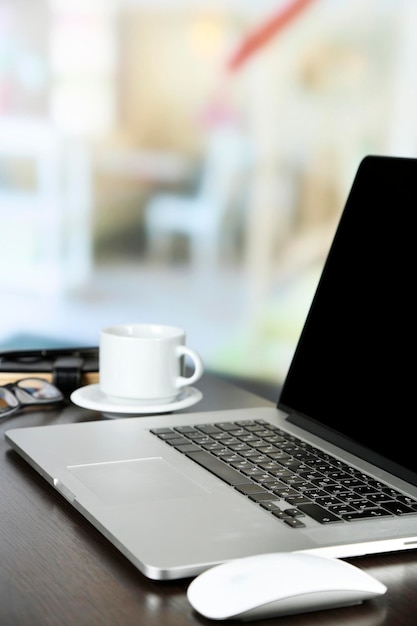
(294, 512)
(341, 509)
(208, 429)
(406, 500)
(327, 502)
(270, 506)
(261, 497)
(176, 441)
(379, 498)
(294, 522)
(285, 492)
(161, 431)
(318, 513)
(185, 429)
(250, 488)
(187, 447)
(296, 500)
(220, 469)
(398, 508)
(364, 514)
(365, 490)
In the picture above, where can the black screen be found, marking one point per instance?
(353, 369)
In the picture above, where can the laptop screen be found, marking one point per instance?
(351, 376)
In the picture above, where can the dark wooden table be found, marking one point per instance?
(57, 570)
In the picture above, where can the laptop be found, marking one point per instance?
(331, 470)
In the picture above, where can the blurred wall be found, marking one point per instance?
(188, 162)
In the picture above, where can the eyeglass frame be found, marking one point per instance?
(11, 387)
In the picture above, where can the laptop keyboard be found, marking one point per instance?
(285, 475)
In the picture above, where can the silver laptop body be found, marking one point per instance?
(347, 393)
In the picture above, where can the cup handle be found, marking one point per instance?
(182, 381)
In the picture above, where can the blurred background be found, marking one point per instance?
(186, 162)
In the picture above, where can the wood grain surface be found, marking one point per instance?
(58, 570)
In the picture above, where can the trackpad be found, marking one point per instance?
(136, 480)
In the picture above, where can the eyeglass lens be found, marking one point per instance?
(39, 389)
(7, 400)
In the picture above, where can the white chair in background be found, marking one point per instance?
(45, 207)
(201, 217)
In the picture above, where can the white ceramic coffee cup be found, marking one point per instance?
(144, 363)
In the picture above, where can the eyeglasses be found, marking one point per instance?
(27, 392)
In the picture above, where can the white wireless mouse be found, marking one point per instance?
(276, 584)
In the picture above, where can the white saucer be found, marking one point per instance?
(91, 397)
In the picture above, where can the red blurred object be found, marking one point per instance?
(265, 32)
